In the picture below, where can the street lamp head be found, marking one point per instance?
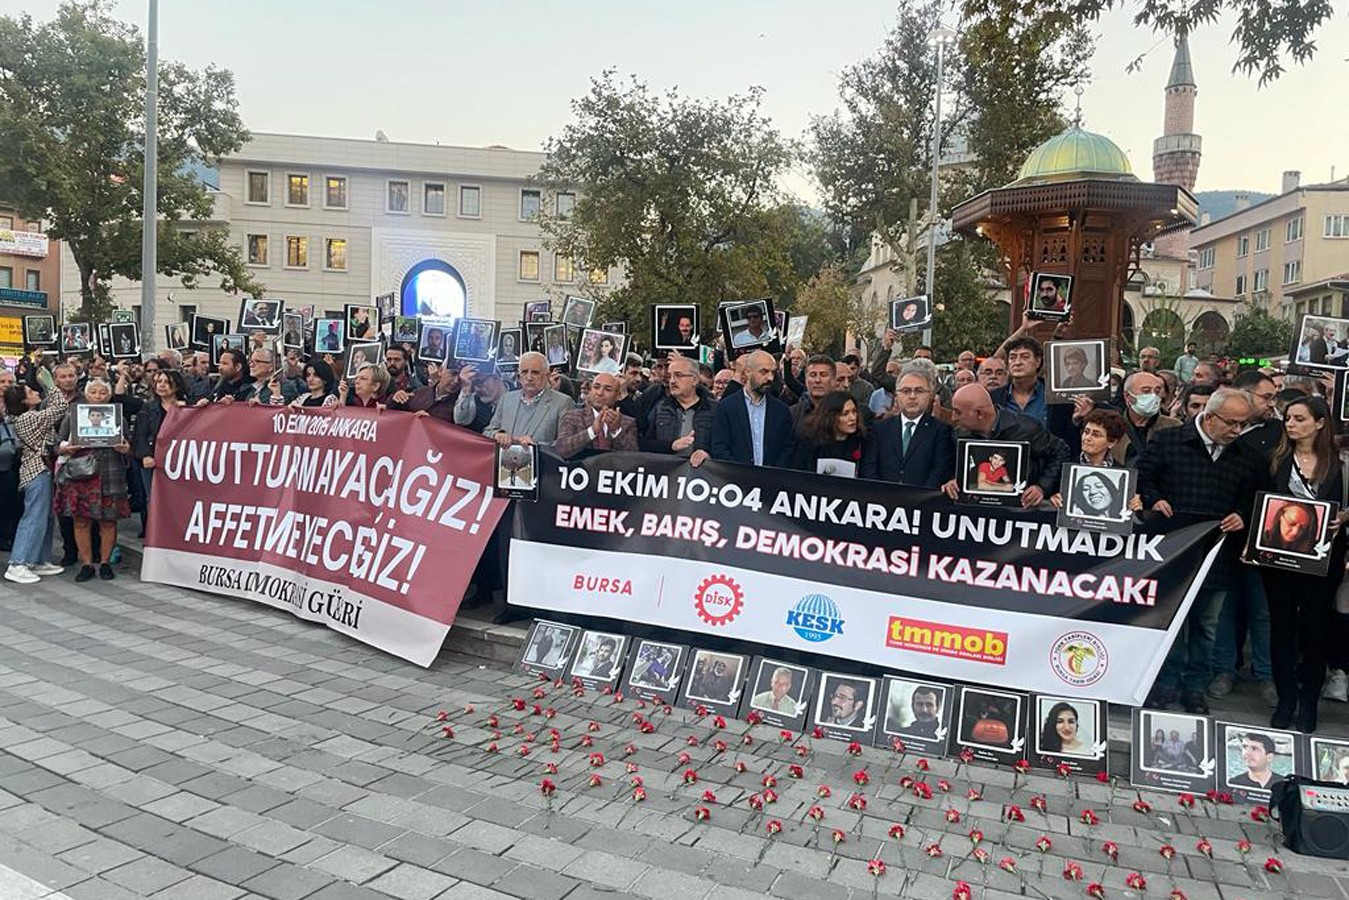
(941, 37)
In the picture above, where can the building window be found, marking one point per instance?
(1206, 258)
(1292, 271)
(335, 192)
(529, 204)
(257, 249)
(1241, 286)
(1293, 230)
(1243, 245)
(396, 200)
(470, 201)
(433, 199)
(1261, 280)
(529, 265)
(34, 228)
(565, 204)
(259, 187)
(32, 280)
(564, 270)
(6, 277)
(297, 190)
(335, 254)
(297, 252)
(6, 223)
(1337, 226)
(1262, 240)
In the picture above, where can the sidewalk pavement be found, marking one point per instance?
(156, 742)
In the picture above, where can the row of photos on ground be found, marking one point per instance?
(1171, 751)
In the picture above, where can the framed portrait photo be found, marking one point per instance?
(845, 707)
(1051, 297)
(177, 336)
(674, 326)
(910, 314)
(96, 424)
(1254, 759)
(1328, 759)
(601, 352)
(619, 327)
(1077, 369)
(510, 344)
(125, 340)
(1096, 498)
(796, 330)
(548, 649)
(260, 315)
(475, 340)
(406, 330)
(599, 659)
(917, 713)
(517, 471)
(292, 330)
(222, 342)
(205, 329)
(556, 348)
(714, 681)
(577, 311)
(749, 326)
(361, 354)
(77, 337)
(1321, 342)
(538, 311)
(39, 331)
(435, 343)
(991, 724)
(330, 334)
(1171, 752)
(105, 338)
(1070, 730)
(991, 473)
(533, 332)
(1291, 533)
(362, 321)
(779, 692)
(656, 670)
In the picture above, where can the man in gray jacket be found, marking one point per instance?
(530, 415)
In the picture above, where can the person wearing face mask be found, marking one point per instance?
(1143, 417)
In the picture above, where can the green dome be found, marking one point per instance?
(1076, 154)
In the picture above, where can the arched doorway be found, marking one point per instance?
(1210, 332)
(433, 288)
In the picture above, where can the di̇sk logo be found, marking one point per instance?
(1079, 658)
(718, 600)
(815, 618)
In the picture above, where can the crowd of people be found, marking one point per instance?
(1202, 437)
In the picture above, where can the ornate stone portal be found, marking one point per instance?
(1077, 209)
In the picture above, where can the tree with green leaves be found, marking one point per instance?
(72, 136)
(1256, 332)
(835, 309)
(680, 193)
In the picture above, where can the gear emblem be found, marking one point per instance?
(718, 600)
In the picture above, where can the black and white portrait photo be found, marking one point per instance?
(910, 314)
(845, 706)
(1322, 342)
(361, 354)
(916, 712)
(292, 330)
(1171, 751)
(715, 680)
(260, 315)
(1254, 759)
(1071, 730)
(599, 660)
(777, 691)
(548, 648)
(517, 467)
(205, 329)
(177, 335)
(601, 352)
(1077, 369)
(749, 326)
(39, 331)
(577, 311)
(1291, 533)
(125, 338)
(1051, 296)
(1096, 498)
(475, 340)
(992, 471)
(655, 669)
(674, 326)
(509, 347)
(96, 425)
(992, 723)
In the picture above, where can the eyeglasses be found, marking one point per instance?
(1230, 423)
(1268, 398)
(682, 375)
(912, 392)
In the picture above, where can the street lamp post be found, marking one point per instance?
(150, 211)
(940, 38)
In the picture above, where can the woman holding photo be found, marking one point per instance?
(1302, 608)
(832, 430)
(34, 428)
(1102, 429)
(100, 498)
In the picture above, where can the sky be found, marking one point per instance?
(504, 72)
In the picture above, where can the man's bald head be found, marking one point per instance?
(972, 408)
(760, 367)
(603, 391)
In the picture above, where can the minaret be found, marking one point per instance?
(1175, 155)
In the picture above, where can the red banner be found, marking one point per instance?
(368, 522)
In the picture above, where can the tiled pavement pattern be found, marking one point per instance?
(160, 743)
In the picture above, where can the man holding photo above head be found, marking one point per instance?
(975, 416)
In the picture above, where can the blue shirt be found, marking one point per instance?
(1035, 407)
(880, 401)
(757, 413)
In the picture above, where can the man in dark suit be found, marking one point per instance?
(975, 416)
(754, 427)
(911, 447)
(1201, 468)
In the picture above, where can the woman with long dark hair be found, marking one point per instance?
(1059, 733)
(1302, 607)
(169, 390)
(321, 384)
(833, 429)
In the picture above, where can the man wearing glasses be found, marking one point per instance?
(912, 447)
(1202, 469)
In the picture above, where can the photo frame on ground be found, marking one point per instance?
(1051, 297)
(77, 337)
(656, 670)
(177, 336)
(991, 473)
(1171, 752)
(517, 472)
(1077, 369)
(577, 311)
(510, 344)
(748, 326)
(39, 331)
(991, 724)
(1321, 342)
(1096, 498)
(674, 326)
(916, 713)
(599, 660)
(779, 692)
(362, 321)
(601, 352)
(556, 347)
(1327, 760)
(205, 329)
(260, 315)
(1254, 759)
(845, 707)
(96, 424)
(125, 340)
(910, 314)
(1072, 730)
(475, 340)
(292, 330)
(222, 342)
(1291, 533)
(361, 354)
(330, 334)
(714, 681)
(548, 649)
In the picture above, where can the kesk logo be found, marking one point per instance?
(974, 644)
(1079, 658)
(718, 600)
(815, 618)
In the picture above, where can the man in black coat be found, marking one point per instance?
(1202, 469)
(753, 427)
(976, 417)
(911, 447)
(681, 421)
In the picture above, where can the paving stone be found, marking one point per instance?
(410, 882)
(474, 866)
(287, 882)
(234, 864)
(146, 875)
(354, 864)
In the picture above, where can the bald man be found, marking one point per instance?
(597, 425)
(751, 426)
(977, 418)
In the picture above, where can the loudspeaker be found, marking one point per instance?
(1314, 816)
